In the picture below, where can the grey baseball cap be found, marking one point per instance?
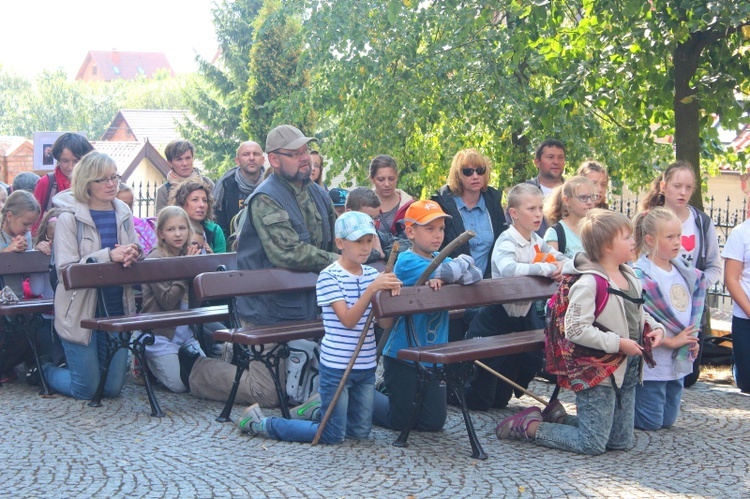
(286, 137)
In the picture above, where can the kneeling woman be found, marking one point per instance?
(173, 239)
(106, 235)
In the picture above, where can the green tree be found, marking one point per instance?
(668, 71)
(216, 98)
(274, 73)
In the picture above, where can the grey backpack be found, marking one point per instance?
(302, 373)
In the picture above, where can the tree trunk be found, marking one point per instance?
(687, 111)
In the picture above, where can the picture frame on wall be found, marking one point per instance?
(43, 142)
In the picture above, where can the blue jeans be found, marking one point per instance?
(657, 404)
(741, 353)
(352, 416)
(85, 363)
(601, 425)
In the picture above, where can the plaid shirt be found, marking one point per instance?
(658, 305)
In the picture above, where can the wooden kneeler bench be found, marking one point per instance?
(265, 343)
(24, 317)
(453, 362)
(100, 275)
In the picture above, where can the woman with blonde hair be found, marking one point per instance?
(106, 235)
(472, 205)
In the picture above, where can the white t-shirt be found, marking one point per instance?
(737, 248)
(689, 248)
(675, 290)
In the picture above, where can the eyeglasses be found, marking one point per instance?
(114, 178)
(587, 198)
(468, 172)
(295, 154)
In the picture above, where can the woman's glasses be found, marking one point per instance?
(468, 172)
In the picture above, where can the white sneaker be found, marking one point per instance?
(252, 414)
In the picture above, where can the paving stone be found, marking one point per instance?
(60, 447)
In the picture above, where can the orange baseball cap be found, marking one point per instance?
(423, 212)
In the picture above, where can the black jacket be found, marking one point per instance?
(454, 227)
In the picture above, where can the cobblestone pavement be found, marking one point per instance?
(59, 447)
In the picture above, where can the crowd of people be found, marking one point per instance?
(276, 211)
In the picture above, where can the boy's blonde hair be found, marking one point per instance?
(598, 230)
(518, 192)
(651, 223)
(554, 207)
(167, 213)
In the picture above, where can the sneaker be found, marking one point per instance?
(516, 427)
(554, 412)
(252, 414)
(309, 410)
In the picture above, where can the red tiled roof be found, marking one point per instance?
(158, 126)
(114, 64)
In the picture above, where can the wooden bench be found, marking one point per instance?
(250, 342)
(99, 275)
(24, 317)
(453, 361)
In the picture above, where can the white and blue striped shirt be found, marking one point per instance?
(336, 284)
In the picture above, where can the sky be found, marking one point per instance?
(50, 34)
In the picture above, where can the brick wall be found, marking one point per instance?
(19, 160)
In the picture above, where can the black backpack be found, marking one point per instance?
(560, 230)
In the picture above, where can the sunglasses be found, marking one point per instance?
(468, 172)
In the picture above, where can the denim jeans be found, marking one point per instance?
(601, 424)
(85, 363)
(394, 410)
(657, 404)
(352, 416)
(741, 353)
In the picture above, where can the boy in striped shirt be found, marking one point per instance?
(344, 291)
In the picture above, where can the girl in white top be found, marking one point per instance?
(567, 205)
(674, 294)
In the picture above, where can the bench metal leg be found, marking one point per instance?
(241, 358)
(30, 330)
(113, 344)
(272, 361)
(456, 378)
(138, 347)
(423, 377)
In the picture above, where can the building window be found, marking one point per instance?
(93, 70)
(116, 70)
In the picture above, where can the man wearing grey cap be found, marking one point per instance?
(289, 224)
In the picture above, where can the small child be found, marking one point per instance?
(425, 227)
(597, 173)
(173, 231)
(674, 294)
(338, 197)
(518, 251)
(146, 234)
(564, 208)
(605, 418)
(367, 201)
(344, 291)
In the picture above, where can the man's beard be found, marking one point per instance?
(300, 176)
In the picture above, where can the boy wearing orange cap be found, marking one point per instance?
(425, 228)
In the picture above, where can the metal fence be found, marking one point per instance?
(725, 217)
(144, 199)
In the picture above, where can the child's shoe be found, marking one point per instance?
(517, 426)
(554, 412)
(309, 410)
(252, 414)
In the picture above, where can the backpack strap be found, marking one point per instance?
(52, 189)
(560, 230)
(602, 294)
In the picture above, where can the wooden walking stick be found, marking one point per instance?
(355, 354)
(425, 276)
(511, 382)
